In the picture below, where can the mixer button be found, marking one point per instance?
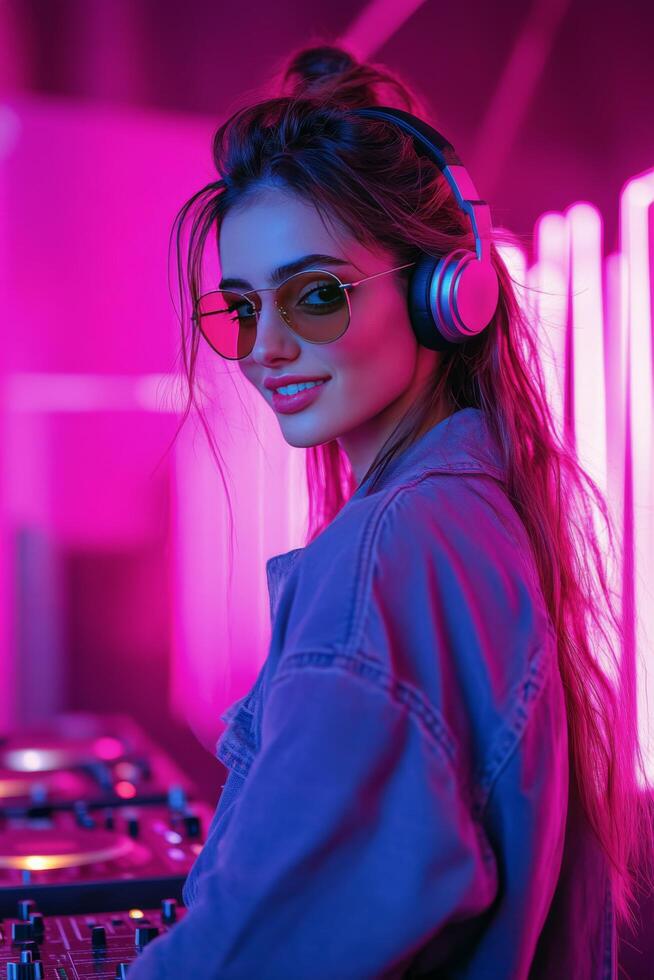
(144, 935)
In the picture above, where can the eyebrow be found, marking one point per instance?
(284, 271)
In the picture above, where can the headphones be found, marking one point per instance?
(454, 297)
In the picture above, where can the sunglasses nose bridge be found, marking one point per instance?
(275, 304)
(277, 301)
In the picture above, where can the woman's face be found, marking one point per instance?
(375, 369)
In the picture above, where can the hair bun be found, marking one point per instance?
(311, 67)
(332, 75)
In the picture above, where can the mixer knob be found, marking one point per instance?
(25, 907)
(192, 825)
(101, 773)
(168, 910)
(133, 826)
(26, 968)
(177, 798)
(82, 815)
(37, 924)
(20, 931)
(144, 935)
(109, 819)
(98, 937)
(121, 971)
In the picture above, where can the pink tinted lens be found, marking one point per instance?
(228, 322)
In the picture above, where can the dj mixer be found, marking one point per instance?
(73, 947)
(98, 831)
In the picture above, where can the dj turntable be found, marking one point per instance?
(94, 816)
(109, 858)
(100, 759)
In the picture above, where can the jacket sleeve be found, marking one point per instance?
(350, 848)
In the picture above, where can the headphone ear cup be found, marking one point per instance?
(425, 326)
(452, 298)
(464, 295)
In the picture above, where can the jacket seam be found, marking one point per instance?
(527, 693)
(414, 702)
(366, 557)
(365, 561)
(399, 691)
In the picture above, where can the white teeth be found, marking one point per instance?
(293, 389)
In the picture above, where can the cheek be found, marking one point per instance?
(248, 371)
(379, 345)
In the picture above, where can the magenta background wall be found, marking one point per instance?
(113, 591)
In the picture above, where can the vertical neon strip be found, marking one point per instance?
(589, 393)
(615, 334)
(7, 660)
(10, 134)
(637, 197)
(548, 304)
(200, 664)
(588, 388)
(515, 259)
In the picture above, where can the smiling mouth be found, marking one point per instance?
(297, 401)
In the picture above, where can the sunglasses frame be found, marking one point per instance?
(256, 302)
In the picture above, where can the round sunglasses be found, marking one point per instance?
(314, 304)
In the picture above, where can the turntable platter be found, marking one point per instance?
(14, 785)
(30, 754)
(44, 850)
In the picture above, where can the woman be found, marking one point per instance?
(431, 776)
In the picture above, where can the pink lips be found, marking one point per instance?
(286, 404)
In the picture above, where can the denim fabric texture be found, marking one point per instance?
(398, 800)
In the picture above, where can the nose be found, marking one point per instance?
(274, 336)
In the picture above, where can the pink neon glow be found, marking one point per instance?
(589, 392)
(515, 259)
(125, 790)
(636, 199)
(378, 21)
(615, 359)
(588, 359)
(108, 748)
(547, 300)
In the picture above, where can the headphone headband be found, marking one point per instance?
(454, 297)
(438, 149)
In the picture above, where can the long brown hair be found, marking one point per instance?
(367, 173)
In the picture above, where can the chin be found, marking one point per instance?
(303, 442)
(311, 437)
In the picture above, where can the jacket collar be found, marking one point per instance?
(460, 443)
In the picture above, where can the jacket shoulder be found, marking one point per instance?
(432, 586)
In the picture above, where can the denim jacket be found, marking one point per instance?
(399, 800)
